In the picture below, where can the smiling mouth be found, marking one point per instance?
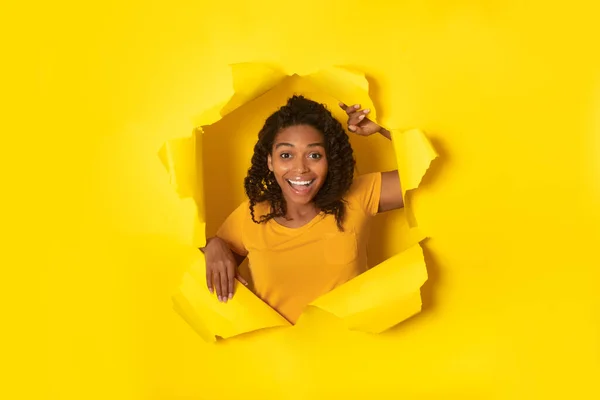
(301, 183)
(301, 186)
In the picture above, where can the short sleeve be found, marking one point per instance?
(365, 192)
(231, 231)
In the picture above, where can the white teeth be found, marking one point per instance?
(300, 182)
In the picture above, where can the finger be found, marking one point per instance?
(209, 281)
(224, 291)
(217, 283)
(241, 279)
(357, 117)
(230, 279)
(356, 129)
(351, 109)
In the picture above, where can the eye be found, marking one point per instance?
(315, 156)
(285, 155)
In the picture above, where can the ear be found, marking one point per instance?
(270, 163)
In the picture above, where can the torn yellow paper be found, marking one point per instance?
(211, 318)
(414, 154)
(346, 86)
(381, 297)
(374, 301)
(179, 157)
(249, 82)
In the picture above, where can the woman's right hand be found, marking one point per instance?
(221, 269)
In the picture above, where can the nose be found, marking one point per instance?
(300, 165)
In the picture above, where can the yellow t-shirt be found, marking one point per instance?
(291, 267)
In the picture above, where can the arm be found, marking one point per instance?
(224, 253)
(221, 268)
(391, 187)
(239, 259)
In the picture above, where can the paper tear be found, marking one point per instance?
(381, 297)
(344, 85)
(179, 158)
(211, 318)
(372, 302)
(414, 155)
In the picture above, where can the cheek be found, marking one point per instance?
(279, 167)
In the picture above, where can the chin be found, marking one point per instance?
(302, 201)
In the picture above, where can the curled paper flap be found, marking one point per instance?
(179, 159)
(414, 155)
(381, 297)
(345, 85)
(374, 301)
(211, 318)
(250, 80)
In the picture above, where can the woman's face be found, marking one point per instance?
(299, 163)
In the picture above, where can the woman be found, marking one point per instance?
(305, 224)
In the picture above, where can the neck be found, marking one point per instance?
(300, 211)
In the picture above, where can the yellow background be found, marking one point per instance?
(95, 239)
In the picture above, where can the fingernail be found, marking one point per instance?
(211, 291)
(357, 106)
(366, 110)
(361, 117)
(351, 127)
(230, 296)
(220, 299)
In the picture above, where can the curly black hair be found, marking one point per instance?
(260, 184)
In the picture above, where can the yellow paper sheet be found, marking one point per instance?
(373, 302)
(381, 297)
(211, 318)
(414, 154)
(179, 158)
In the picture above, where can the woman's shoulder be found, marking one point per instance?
(365, 192)
(364, 183)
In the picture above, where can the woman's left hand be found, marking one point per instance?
(358, 121)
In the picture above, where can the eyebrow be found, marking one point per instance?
(278, 145)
